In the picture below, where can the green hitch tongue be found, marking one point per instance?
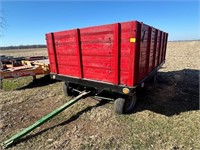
(41, 121)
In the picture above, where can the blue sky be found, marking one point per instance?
(28, 21)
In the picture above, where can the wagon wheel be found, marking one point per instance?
(67, 90)
(124, 106)
(130, 103)
(153, 79)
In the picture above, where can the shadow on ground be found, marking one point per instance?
(43, 81)
(175, 92)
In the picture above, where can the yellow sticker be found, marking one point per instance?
(133, 40)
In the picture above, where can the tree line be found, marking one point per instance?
(22, 47)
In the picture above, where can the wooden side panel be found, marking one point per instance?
(152, 49)
(127, 59)
(103, 53)
(51, 52)
(157, 48)
(98, 47)
(148, 51)
(144, 51)
(161, 48)
(67, 52)
(165, 47)
(107, 53)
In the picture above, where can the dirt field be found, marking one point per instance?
(166, 117)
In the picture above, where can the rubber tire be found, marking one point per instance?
(130, 104)
(67, 90)
(119, 104)
(153, 79)
(124, 106)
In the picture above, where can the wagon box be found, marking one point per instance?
(115, 57)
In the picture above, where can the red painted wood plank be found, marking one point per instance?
(100, 38)
(105, 62)
(97, 46)
(96, 29)
(68, 60)
(101, 53)
(99, 74)
(69, 70)
(64, 33)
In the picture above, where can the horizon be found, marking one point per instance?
(46, 44)
(28, 22)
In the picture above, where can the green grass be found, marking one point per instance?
(16, 83)
(150, 130)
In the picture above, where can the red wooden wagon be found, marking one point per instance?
(116, 57)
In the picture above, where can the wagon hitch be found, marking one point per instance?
(44, 119)
(98, 98)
